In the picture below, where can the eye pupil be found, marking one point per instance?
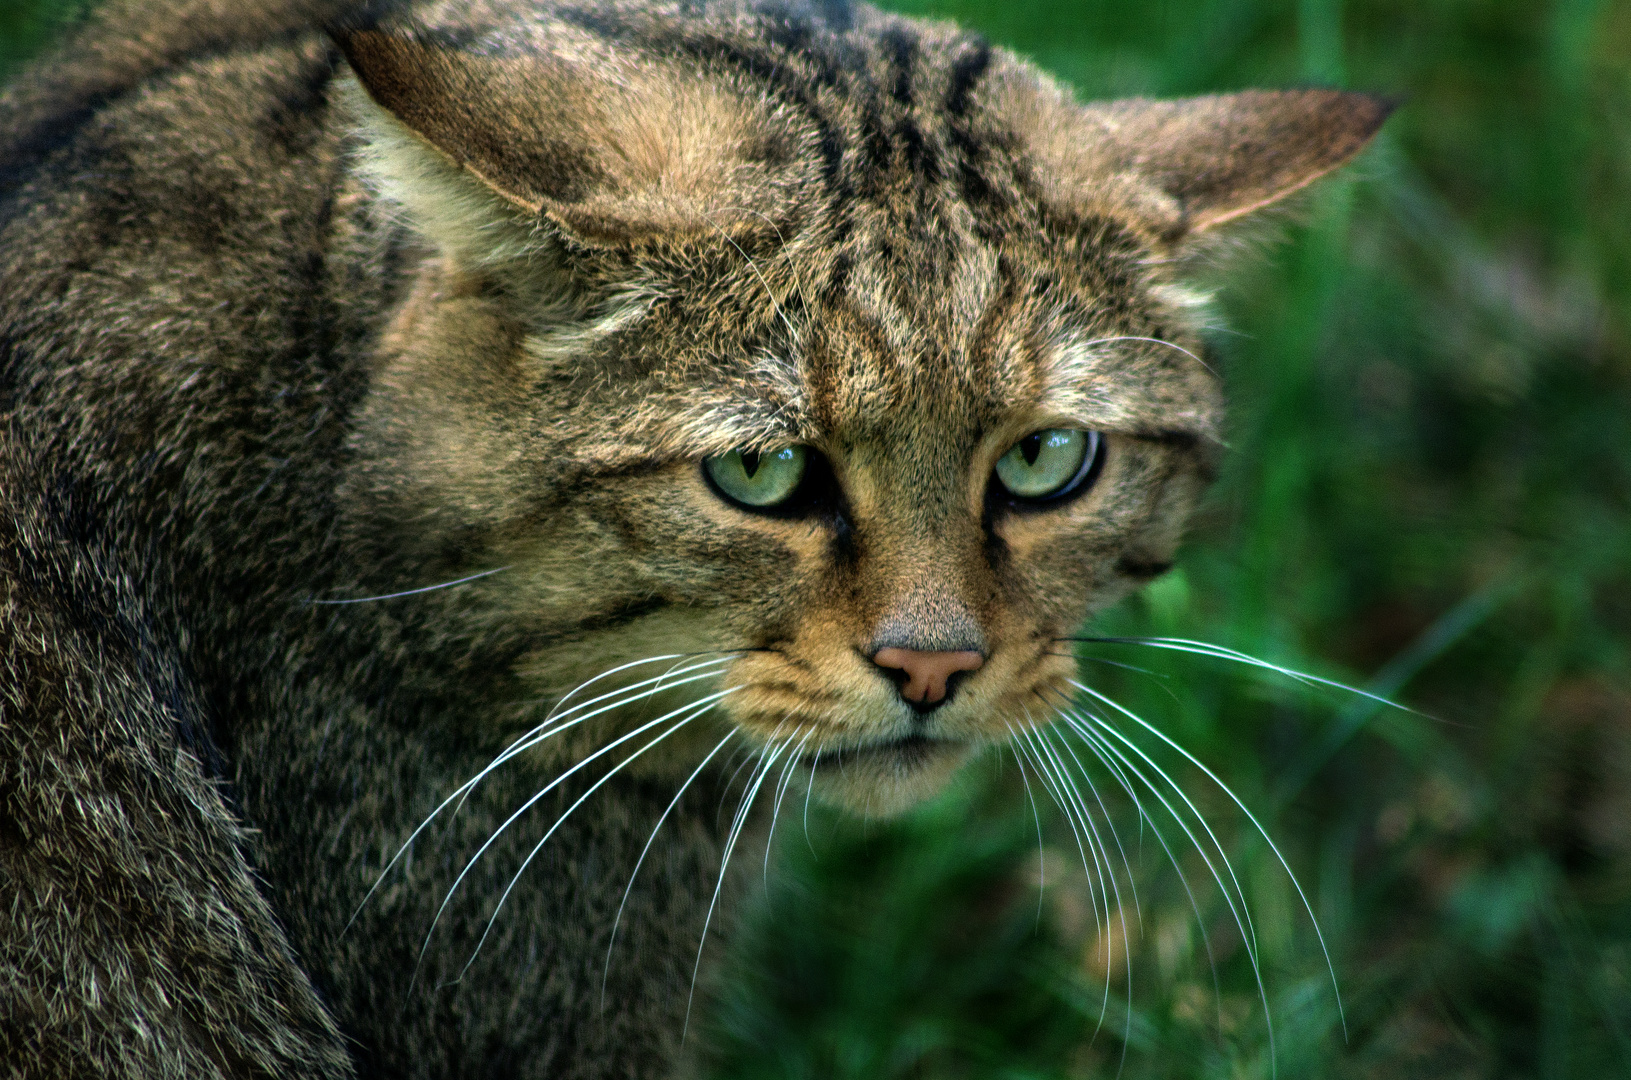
(1046, 465)
(756, 479)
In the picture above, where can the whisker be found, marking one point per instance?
(1077, 723)
(724, 655)
(1067, 777)
(1160, 678)
(754, 758)
(1241, 912)
(1223, 652)
(1152, 341)
(1256, 824)
(781, 790)
(1094, 884)
(769, 292)
(1041, 857)
(1110, 663)
(1104, 812)
(1127, 1020)
(1243, 915)
(412, 592)
(742, 811)
(798, 280)
(539, 846)
(1073, 799)
(552, 785)
(1065, 704)
(555, 724)
(525, 742)
(669, 809)
(652, 686)
(807, 792)
(1097, 870)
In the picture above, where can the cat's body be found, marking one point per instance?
(237, 383)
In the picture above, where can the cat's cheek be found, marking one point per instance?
(761, 560)
(1057, 566)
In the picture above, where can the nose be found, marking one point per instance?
(927, 673)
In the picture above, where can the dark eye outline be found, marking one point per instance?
(809, 496)
(1077, 485)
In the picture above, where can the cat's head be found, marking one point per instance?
(847, 355)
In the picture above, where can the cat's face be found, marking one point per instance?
(869, 432)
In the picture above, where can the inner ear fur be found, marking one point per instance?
(607, 148)
(1183, 167)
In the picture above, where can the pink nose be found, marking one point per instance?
(927, 672)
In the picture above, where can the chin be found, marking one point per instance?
(888, 778)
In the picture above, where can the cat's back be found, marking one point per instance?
(165, 171)
(162, 178)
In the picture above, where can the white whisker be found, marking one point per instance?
(781, 790)
(1110, 765)
(1242, 915)
(1078, 724)
(555, 724)
(1152, 341)
(524, 742)
(1065, 777)
(1062, 795)
(807, 792)
(669, 809)
(1256, 824)
(769, 292)
(552, 785)
(754, 758)
(742, 811)
(581, 799)
(412, 592)
(787, 256)
(1040, 743)
(1223, 652)
(1104, 812)
(1082, 723)
(1041, 854)
(1088, 872)
(1127, 1019)
(609, 672)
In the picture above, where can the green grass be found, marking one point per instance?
(1427, 493)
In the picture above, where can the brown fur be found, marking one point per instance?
(275, 331)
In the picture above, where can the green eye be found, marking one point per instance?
(1048, 464)
(755, 479)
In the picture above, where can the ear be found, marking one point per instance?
(605, 150)
(1183, 167)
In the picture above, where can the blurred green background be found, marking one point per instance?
(1427, 495)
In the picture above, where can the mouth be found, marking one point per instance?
(886, 777)
(909, 752)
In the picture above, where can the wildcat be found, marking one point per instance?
(611, 390)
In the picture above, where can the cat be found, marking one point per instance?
(424, 421)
